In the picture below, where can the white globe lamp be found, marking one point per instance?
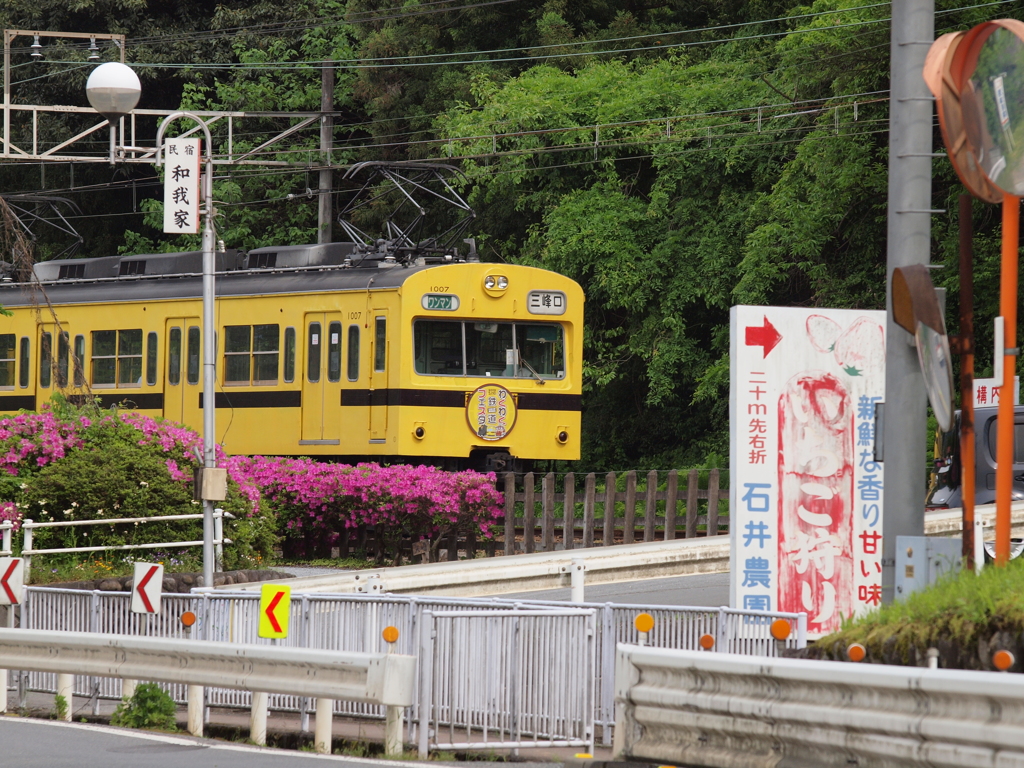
(113, 90)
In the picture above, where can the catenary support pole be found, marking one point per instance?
(209, 359)
(325, 215)
(908, 242)
(966, 345)
(1004, 436)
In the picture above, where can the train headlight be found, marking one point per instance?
(563, 437)
(495, 285)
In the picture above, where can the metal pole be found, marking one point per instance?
(909, 226)
(325, 232)
(1004, 437)
(966, 345)
(209, 332)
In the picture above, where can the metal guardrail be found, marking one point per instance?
(28, 526)
(355, 622)
(713, 709)
(508, 678)
(382, 678)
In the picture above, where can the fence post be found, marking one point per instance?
(392, 731)
(26, 530)
(324, 721)
(671, 495)
(691, 504)
(609, 509)
(218, 538)
(801, 630)
(569, 511)
(713, 503)
(578, 579)
(588, 510)
(510, 513)
(529, 514)
(548, 507)
(195, 710)
(425, 670)
(258, 718)
(629, 524)
(66, 690)
(651, 506)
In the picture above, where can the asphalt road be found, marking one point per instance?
(49, 744)
(702, 589)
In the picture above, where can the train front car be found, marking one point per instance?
(490, 366)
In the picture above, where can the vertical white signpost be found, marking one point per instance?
(181, 186)
(805, 491)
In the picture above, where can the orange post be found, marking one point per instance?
(966, 347)
(1004, 438)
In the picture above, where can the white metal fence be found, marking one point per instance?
(353, 622)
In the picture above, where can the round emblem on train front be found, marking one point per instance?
(491, 412)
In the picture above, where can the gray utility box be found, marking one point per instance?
(921, 560)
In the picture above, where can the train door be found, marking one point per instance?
(54, 344)
(321, 383)
(184, 370)
(379, 376)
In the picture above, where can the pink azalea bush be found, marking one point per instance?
(311, 503)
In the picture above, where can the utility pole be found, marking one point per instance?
(325, 215)
(909, 242)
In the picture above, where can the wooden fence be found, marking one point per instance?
(662, 505)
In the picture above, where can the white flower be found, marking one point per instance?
(24, 486)
(144, 483)
(74, 503)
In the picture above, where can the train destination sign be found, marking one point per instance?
(545, 303)
(805, 491)
(441, 302)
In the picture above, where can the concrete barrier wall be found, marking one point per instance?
(723, 711)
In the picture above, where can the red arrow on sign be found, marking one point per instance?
(764, 336)
(3, 581)
(141, 587)
(270, 611)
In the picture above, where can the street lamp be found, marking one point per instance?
(113, 90)
(209, 361)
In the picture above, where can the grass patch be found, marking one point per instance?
(963, 615)
(352, 561)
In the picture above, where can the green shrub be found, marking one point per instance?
(149, 707)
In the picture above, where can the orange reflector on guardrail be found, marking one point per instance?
(856, 652)
(707, 642)
(390, 634)
(188, 618)
(781, 629)
(1002, 660)
(644, 622)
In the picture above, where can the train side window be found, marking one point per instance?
(313, 353)
(129, 358)
(380, 344)
(289, 355)
(353, 353)
(151, 358)
(192, 360)
(1018, 440)
(266, 348)
(8, 349)
(45, 363)
(24, 363)
(104, 358)
(334, 352)
(63, 350)
(174, 357)
(79, 360)
(237, 350)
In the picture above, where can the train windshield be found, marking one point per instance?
(489, 349)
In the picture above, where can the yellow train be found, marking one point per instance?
(322, 350)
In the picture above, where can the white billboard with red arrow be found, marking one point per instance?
(147, 587)
(12, 579)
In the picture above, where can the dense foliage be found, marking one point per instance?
(674, 158)
(78, 464)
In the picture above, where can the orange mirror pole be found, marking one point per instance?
(966, 346)
(1004, 438)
